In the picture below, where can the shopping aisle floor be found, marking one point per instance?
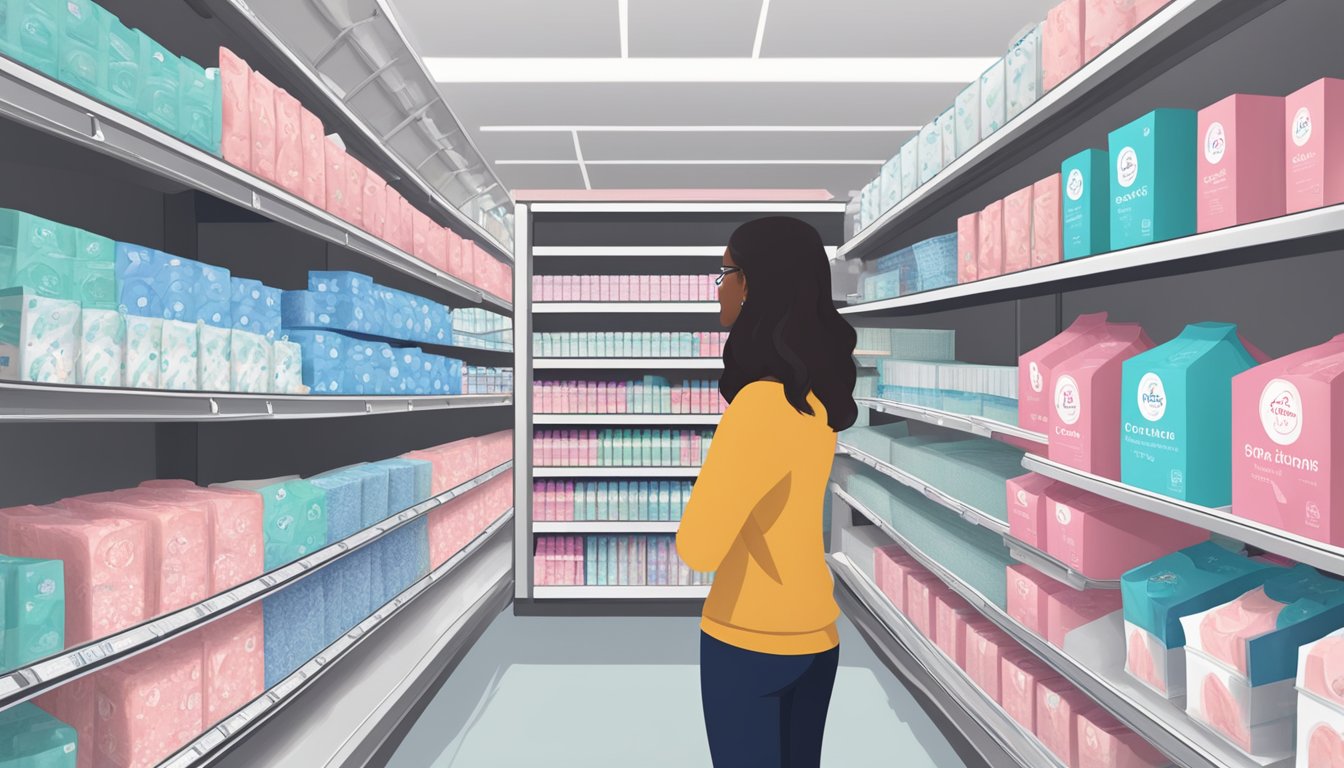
(625, 692)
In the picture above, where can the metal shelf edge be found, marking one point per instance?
(975, 425)
(965, 511)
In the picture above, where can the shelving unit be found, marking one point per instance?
(705, 251)
(974, 425)
(605, 526)
(628, 364)
(630, 472)
(620, 593)
(965, 511)
(628, 419)
(624, 307)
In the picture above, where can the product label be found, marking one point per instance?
(1021, 497)
(1063, 514)
(1281, 411)
(1215, 143)
(1127, 167)
(1037, 380)
(1152, 397)
(1068, 401)
(1302, 127)
(1052, 700)
(1074, 188)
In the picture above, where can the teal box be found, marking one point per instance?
(295, 521)
(31, 738)
(95, 284)
(32, 601)
(82, 42)
(1086, 208)
(1176, 414)
(160, 73)
(37, 254)
(1152, 178)
(200, 117)
(30, 33)
(120, 65)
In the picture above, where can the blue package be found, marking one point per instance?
(341, 282)
(155, 284)
(294, 622)
(213, 295)
(256, 307)
(346, 590)
(324, 365)
(400, 483)
(424, 475)
(345, 504)
(332, 311)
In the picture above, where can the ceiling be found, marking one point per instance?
(651, 132)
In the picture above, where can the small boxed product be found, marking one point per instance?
(1241, 162)
(198, 110)
(989, 255)
(1086, 220)
(968, 117)
(261, 110)
(1061, 43)
(888, 190)
(1152, 178)
(909, 169)
(947, 126)
(986, 646)
(313, 140)
(1027, 508)
(1034, 369)
(1058, 704)
(1020, 676)
(1104, 22)
(1029, 593)
(922, 589)
(39, 338)
(1105, 741)
(1315, 145)
(1046, 227)
(950, 615)
(159, 71)
(288, 142)
(1101, 538)
(1320, 702)
(1017, 231)
(32, 738)
(968, 241)
(993, 98)
(235, 80)
(930, 152)
(1071, 609)
(32, 609)
(1023, 73)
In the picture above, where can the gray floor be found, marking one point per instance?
(621, 692)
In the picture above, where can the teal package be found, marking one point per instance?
(295, 521)
(589, 561)
(159, 82)
(29, 33)
(81, 45)
(1152, 178)
(120, 83)
(1176, 414)
(37, 254)
(1313, 608)
(1085, 215)
(199, 122)
(31, 738)
(32, 602)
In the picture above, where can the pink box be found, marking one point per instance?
(1104, 742)
(457, 258)
(950, 614)
(1315, 145)
(1029, 592)
(261, 109)
(1084, 424)
(420, 224)
(236, 552)
(233, 662)
(1104, 22)
(76, 704)
(1061, 43)
(392, 218)
(288, 142)
(235, 84)
(1019, 676)
(1026, 508)
(1034, 403)
(1017, 231)
(1070, 609)
(1241, 171)
(354, 191)
(438, 247)
(149, 706)
(968, 241)
(989, 255)
(1102, 539)
(921, 591)
(1143, 9)
(313, 139)
(336, 180)
(986, 644)
(375, 204)
(1285, 426)
(1046, 232)
(447, 525)
(1058, 704)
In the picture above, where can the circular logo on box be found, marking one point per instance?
(1281, 411)
(1302, 126)
(1215, 143)
(1127, 167)
(1063, 514)
(1152, 397)
(1074, 188)
(1052, 700)
(1037, 381)
(1068, 401)
(1021, 497)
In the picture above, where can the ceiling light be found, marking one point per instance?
(705, 70)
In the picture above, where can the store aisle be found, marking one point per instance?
(620, 692)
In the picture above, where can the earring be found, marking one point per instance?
(743, 304)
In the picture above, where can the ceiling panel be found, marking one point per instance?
(693, 28)
(741, 146)
(540, 176)
(839, 180)
(525, 146)
(508, 28)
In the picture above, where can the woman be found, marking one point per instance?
(768, 643)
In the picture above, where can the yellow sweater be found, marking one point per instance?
(755, 517)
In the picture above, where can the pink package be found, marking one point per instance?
(455, 260)
(236, 553)
(1143, 9)
(261, 108)
(1061, 43)
(1104, 22)
(1026, 508)
(288, 142)
(1284, 428)
(313, 138)
(885, 572)
(437, 244)
(76, 704)
(1046, 232)
(1241, 172)
(336, 180)
(989, 254)
(1058, 704)
(1017, 231)
(921, 591)
(1322, 669)
(407, 225)
(1084, 424)
(1070, 609)
(986, 645)
(1104, 742)
(1315, 145)
(1029, 593)
(375, 204)
(1019, 675)
(392, 217)
(968, 241)
(233, 662)
(149, 706)
(1034, 402)
(354, 191)
(1225, 630)
(420, 224)
(1102, 539)
(235, 84)
(446, 531)
(950, 614)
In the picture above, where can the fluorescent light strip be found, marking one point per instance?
(705, 70)
(583, 167)
(760, 29)
(623, 10)
(689, 162)
(700, 128)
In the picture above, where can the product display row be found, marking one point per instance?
(650, 395)
(624, 288)
(924, 266)
(481, 380)
(620, 447)
(692, 344)
(337, 364)
(353, 303)
(976, 390)
(907, 344)
(625, 500)
(613, 561)
(482, 329)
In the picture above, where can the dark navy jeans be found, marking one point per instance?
(764, 710)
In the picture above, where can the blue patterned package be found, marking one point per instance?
(401, 483)
(324, 368)
(312, 310)
(424, 475)
(212, 292)
(155, 284)
(294, 621)
(347, 592)
(256, 307)
(345, 504)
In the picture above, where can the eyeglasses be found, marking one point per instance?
(724, 272)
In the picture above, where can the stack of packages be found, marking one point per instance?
(643, 500)
(637, 560)
(651, 395)
(974, 390)
(691, 344)
(482, 329)
(621, 447)
(924, 266)
(623, 288)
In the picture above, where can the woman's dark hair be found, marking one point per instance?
(788, 328)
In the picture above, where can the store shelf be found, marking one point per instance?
(942, 681)
(699, 592)
(624, 307)
(1218, 520)
(605, 526)
(1181, 29)
(615, 472)
(1314, 231)
(34, 100)
(1097, 669)
(965, 511)
(1050, 566)
(974, 425)
(26, 682)
(676, 208)
(628, 419)
(628, 363)
(49, 402)
(636, 251)
(270, 703)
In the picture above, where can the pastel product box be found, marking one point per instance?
(1029, 594)
(1104, 22)
(179, 356)
(401, 484)
(1153, 178)
(921, 590)
(261, 111)
(968, 117)
(76, 705)
(909, 168)
(950, 614)
(1061, 43)
(355, 173)
(32, 609)
(337, 180)
(1102, 539)
(235, 520)
(322, 355)
(340, 312)
(1027, 508)
(159, 86)
(1314, 144)
(1058, 704)
(1022, 72)
(1259, 720)
(294, 520)
(993, 98)
(294, 622)
(929, 152)
(1047, 245)
(375, 204)
(1176, 410)
(287, 368)
(947, 126)
(889, 186)
(1034, 403)
(39, 338)
(1104, 742)
(249, 363)
(313, 143)
(235, 80)
(968, 242)
(36, 254)
(94, 248)
(1086, 222)
(1019, 678)
(149, 706)
(1241, 161)
(423, 475)
(95, 284)
(1084, 423)
(1320, 711)
(346, 590)
(31, 738)
(140, 355)
(122, 61)
(986, 644)
(989, 254)
(1284, 468)
(1017, 231)
(1156, 595)
(80, 45)
(198, 105)
(288, 142)
(154, 284)
(214, 350)
(255, 308)
(233, 666)
(1069, 609)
